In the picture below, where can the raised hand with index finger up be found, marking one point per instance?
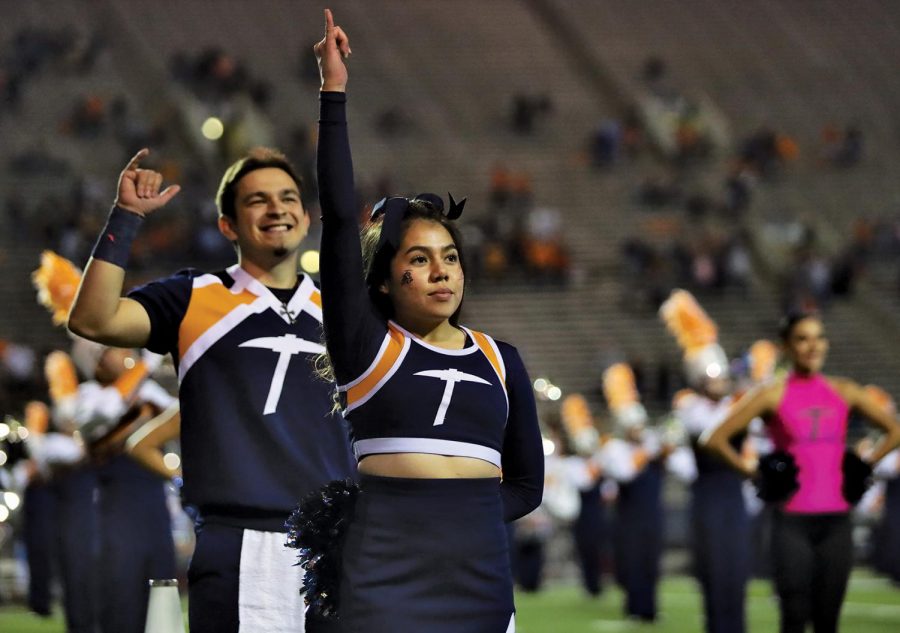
(138, 189)
(331, 51)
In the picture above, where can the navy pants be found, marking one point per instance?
(213, 579)
(721, 544)
(135, 546)
(78, 548)
(527, 561)
(639, 541)
(589, 532)
(39, 511)
(813, 555)
(888, 549)
(214, 583)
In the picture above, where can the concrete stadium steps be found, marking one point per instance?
(49, 96)
(762, 63)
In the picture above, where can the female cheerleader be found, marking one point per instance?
(437, 410)
(806, 415)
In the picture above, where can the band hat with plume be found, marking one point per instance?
(622, 396)
(697, 335)
(762, 358)
(579, 423)
(62, 379)
(56, 281)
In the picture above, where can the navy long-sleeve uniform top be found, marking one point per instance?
(257, 428)
(402, 394)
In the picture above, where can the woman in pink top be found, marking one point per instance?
(806, 414)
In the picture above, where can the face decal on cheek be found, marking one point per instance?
(407, 278)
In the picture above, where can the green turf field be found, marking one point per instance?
(872, 606)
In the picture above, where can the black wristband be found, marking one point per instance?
(114, 243)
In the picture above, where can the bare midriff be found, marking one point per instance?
(426, 466)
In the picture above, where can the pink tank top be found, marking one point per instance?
(811, 424)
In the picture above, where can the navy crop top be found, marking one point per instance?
(402, 395)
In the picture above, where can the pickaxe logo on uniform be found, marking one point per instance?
(451, 377)
(285, 346)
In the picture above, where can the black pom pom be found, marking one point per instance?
(857, 477)
(316, 529)
(776, 478)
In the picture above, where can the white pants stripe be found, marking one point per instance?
(269, 599)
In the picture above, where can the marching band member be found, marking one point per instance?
(886, 552)
(133, 523)
(720, 526)
(635, 459)
(590, 525)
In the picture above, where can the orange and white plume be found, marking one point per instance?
(57, 282)
(62, 378)
(37, 417)
(622, 396)
(763, 356)
(60, 373)
(688, 322)
(697, 335)
(579, 423)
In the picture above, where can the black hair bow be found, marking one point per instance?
(394, 209)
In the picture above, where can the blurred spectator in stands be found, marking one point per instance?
(698, 206)
(655, 74)
(474, 239)
(546, 257)
(501, 186)
(658, 191)
(16, 214)
(605, 144)
(215, 76)
(393, 121)
(809, 282)
(527, 110)
(131, 131)
(10, 89)
(21, 376)
(767, 151)
(37, 160)
(632, 132)
(301, 151)
(738, 190)
(691, 140)
(704, 271)
(738, 264)
(841, 148)
(87, 118)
